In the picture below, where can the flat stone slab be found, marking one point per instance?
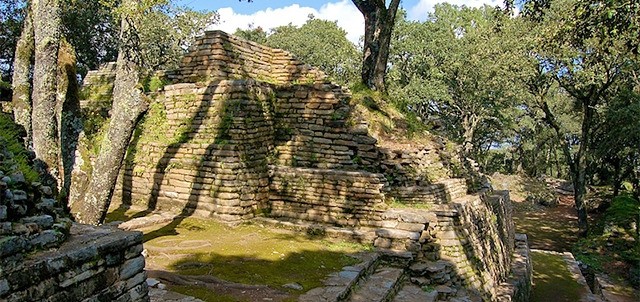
(337, 285)
(379, 286)
(413, 293)
(161, 295)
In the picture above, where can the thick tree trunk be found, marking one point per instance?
(378, 26)
(44, 124)
(21, 99)
(127, 106)
(67, 112)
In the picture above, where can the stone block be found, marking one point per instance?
(3, 212)
(131, 267)
(11, 245)
(47, 238)
(397, 234)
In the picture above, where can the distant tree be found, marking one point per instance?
(255, 34)
(453, 68)
(586, 57)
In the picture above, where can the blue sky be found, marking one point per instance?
(272, 13)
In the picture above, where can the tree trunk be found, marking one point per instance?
(581, 162)
(469, 124)
(67, 113)
(21, 99)
(378, 26)
(44, 124)
(127, 106)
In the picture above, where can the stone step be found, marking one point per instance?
(413, 293)
(379, 287)
(338, 286)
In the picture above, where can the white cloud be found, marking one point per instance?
(421, 10)
(343, 11)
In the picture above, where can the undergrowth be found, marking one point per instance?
(613, 244)
(386, 116)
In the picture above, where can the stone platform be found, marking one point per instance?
(94, 264)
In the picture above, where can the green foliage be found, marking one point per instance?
(166, 32)
(322, 44)
(153, 83)
(624, 211)
(5, 85)
(614, 239)
(12, 13)
(255, 34)
(452, 71)
(92, 30)
(10, 134)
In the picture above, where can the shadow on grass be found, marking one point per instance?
(554, 229)
(254, 277)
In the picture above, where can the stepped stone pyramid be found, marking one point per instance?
(249, 132)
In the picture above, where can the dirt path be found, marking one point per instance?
(552, 229)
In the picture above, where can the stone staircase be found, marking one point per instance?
(382, 279)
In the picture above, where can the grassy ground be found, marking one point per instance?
(552, 280)
(246, 254)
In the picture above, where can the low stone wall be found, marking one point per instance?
(94, 264)
(410, 166)
(30, 217)
(442, 192)
(44, 257)
(476, 234)
(341, 198)
(517, 288)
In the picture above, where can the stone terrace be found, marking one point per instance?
(252, 133)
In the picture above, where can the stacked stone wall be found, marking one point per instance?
(94, 264)
(476, 234)
(219, 56)
(267, 142)
(44, 257)
(341, 198)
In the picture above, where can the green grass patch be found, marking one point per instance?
(248, 254)
(552, 280)
(400, 204)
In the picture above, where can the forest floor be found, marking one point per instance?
(553, 229)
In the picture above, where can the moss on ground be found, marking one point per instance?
(552, 280)
(248, 254)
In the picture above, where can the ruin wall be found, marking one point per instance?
(232, 140)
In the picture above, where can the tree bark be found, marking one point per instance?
(47, 31)
(67, 113)
(127, 106)
(21, 99)
(378, 26)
